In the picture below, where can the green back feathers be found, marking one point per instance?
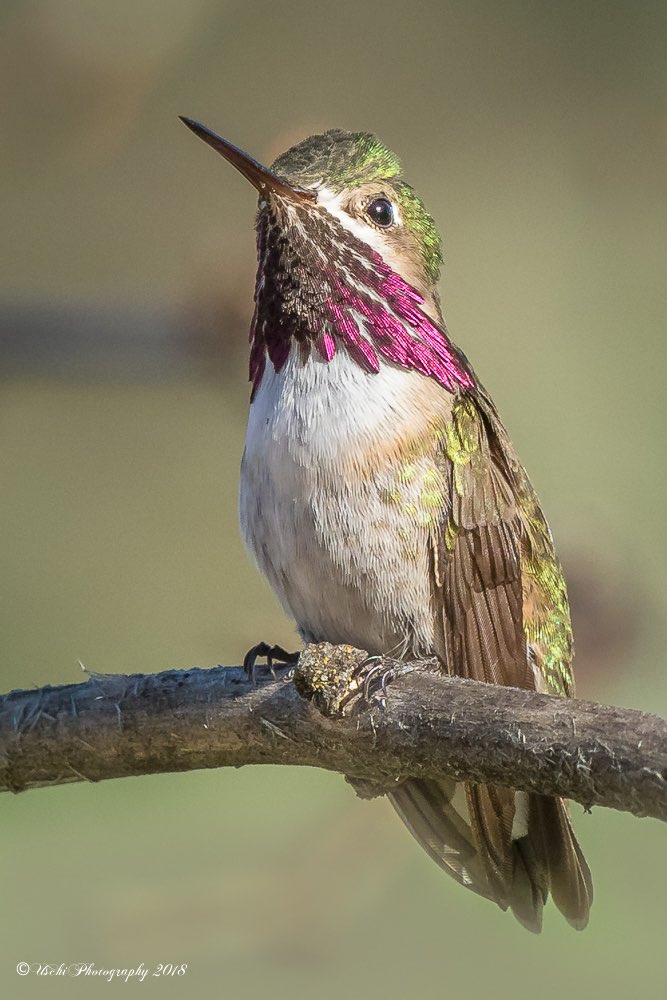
(548, 627)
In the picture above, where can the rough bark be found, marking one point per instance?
(421, 724)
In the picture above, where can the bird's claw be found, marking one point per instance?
(341, 680)
(272, 654)
(369, 681)
(371, 672)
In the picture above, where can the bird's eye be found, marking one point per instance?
(381, 212)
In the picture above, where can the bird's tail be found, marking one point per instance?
(511, 847)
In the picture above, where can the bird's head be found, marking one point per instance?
(347, 254)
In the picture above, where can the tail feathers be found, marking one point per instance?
(570, 876)
(530, 884)
(513, 855)
(490, 812)
(435, 820)
(529, 887)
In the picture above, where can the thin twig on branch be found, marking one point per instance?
(423, 724)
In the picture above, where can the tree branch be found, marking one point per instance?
(424, 724)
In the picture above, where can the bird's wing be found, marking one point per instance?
(477, 561)
(477, 584)
(501, 617)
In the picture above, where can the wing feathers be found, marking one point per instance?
(492, 563)
(481, 592)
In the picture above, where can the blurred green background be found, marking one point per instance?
(537, 135)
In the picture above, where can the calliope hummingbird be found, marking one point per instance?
(382, 497)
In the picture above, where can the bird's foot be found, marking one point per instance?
(374, 676)
(273, 655)
(340, 679)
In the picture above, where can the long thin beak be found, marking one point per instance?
(264, 180)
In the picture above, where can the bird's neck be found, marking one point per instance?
(326, 291)
(331, 414)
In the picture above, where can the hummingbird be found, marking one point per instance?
(382, 498)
